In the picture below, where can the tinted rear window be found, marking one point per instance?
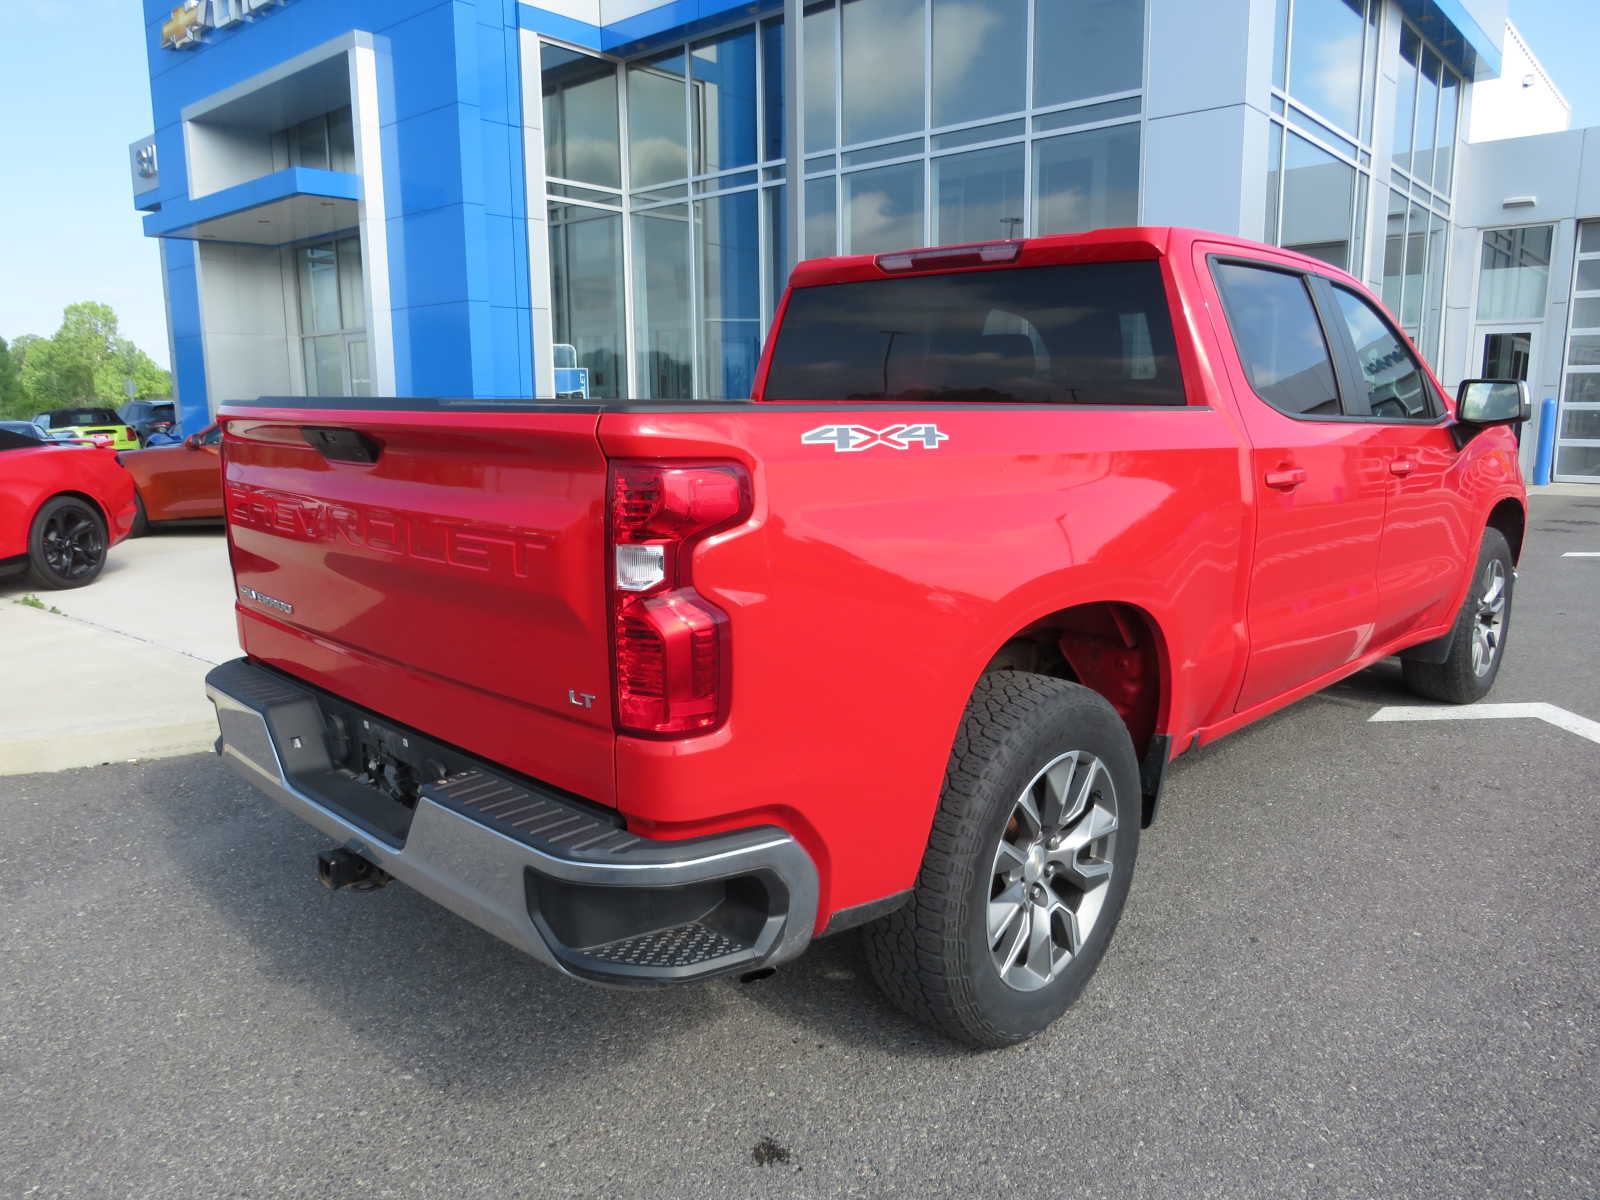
(1093, 333)
(69, 418)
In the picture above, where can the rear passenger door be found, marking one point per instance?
(1426, 538)
(1319, 481)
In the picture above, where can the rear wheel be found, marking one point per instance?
(1477, 643)
(1027, 867)
(67, 544)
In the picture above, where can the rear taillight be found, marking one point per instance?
(128, 433)
(670, 645)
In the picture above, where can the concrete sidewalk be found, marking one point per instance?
(115, 671)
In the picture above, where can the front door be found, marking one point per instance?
(1426, 533)
(1320, 486)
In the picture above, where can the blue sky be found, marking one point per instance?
(74, 93)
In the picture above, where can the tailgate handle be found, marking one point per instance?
(341, 445)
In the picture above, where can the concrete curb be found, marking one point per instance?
(135, 743)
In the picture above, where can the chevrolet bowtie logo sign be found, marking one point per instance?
(186, 28)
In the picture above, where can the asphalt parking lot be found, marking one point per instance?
(1359, 960)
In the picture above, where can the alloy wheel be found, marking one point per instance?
(1488, 629)
(72, 542)
(1051, 869)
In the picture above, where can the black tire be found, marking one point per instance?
(66, 544)
(933, 957)
(1459, 679)
(141, 521)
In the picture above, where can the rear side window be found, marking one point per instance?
(69, 418)
(1092, 333)
(1396, 387)
(1279, 338)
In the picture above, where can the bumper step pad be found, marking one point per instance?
(686, 945)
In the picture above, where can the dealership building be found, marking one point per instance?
(498, 199)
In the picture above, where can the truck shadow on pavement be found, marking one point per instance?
(434, 995)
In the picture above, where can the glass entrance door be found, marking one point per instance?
(1506, 352)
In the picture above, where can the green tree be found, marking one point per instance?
(87, 361)
(10, 381)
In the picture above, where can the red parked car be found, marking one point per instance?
(664, 690)
(61, 509)
(177, 483)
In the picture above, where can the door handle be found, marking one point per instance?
(1285, 479)
(1402, 467)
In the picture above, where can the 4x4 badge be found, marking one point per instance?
(848, 438)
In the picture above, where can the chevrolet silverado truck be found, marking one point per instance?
(659, 691)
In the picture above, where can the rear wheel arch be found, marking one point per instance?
(1112, 647)
(76, 495)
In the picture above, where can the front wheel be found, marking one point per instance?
(67, 544)
(1027, 867)
(1478, 639)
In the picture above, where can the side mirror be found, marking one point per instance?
(1493, 402)
(192, 442)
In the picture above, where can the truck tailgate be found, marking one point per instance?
(445, 569)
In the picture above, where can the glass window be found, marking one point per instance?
(980, 195)
(308, 144)
(1280, 44)
(1433, 296)
(1084, 48)
(586, 286)
(777, 202)
(728, 234)
(1088, 334)
(1325, 54)
(1319, 193)
(772, 109)
(1394, 252)
(1274, 178)
(1507, 355)
(1586, 313)
(978, 59)
(1589, 237)
(821, 234)
(1087, 180)
(1422, 142)
(1588, 275)
(658, 149)
(1444, 155)
(820, 46)
(581, 137)
(319, 289)
(663, 335)
(883, 42)
(324, 366)
(1395, 387)
(724, 104)
(352, 294)
(1416, 270)
(1515, 273)
(342, 141)
(1279, 338)
(884, 208)
(1405, 97)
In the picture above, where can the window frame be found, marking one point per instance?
(1354, 377)
(1341, 380)
(1349, 379)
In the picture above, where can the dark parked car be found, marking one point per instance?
(146, 417)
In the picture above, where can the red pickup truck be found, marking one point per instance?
(658, 691)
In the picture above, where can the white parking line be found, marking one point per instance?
(1582, 554)
(1559, 717)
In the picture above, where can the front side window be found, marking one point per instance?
(1279, 338)
(1396, 387)
(1095, 333)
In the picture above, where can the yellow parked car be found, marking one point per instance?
(96, 426)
